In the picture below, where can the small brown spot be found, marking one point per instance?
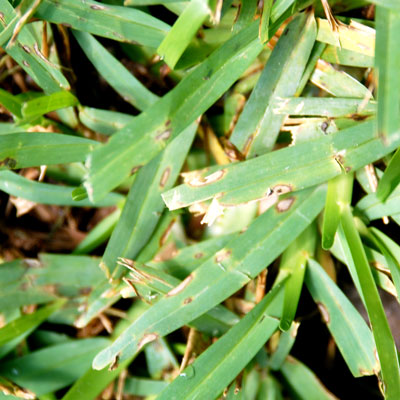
(188, 300)
(358, 117)
(2, 18)
(164, 135)
(114, 364)
(166, 233)
(248, 143)
(147, 338)
(27, 65)
(324, 313)
(26, 48)
(97, 7)
(136, 169)
(168, 123)
(85, 291)
(198, 255)
(66, 24)
(325, 126)
(222, 255)
(285, 204)
(180, 287)
(280, 189)
(164, 177)
(347, 169)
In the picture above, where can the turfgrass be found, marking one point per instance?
(191, 196)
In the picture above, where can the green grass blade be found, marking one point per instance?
(118, 77)
(293, 263)
(351, 333)
(340, 190)
(289, 169)
(104, 121)
(187, 259)
(167, 118)
(338, 83)
(247, 12)
(11, 103)
(27, 54)
(44, 104)
(265, 20)
(258, 126)
(118, 23)
(44, 193)
(141, 213)
(372, 208)
(303, 382)
(326, 107)
(22, 150)
(24, 325)
(144, 387)
(357, 38)
(387, 59)
(144, 204)
(55, 276)
(390, 179)
(385, 345)
(242, 259)
(69, 361)
(99, 234)
(336, 55)
(286, 342)
(220, 363)
(183, 30)
(391, 252)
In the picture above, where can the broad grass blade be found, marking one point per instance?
(385, 345)
(242, 259)
(351, 333)
(167, 118)
(258, 126)
(220, 363)
(289, 169)
(118, 77)
(114, 22)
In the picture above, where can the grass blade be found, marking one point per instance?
(27, 54)
(387, 59)
(289, 169)
(183, 30)
(118, 23)
(44, 193)
(220, 363)
(232, 267)
(303, 382)
(390, 179)
(44, 104)
(340, 190)
(69, 361)
(118, 77)
(293, 263)
(104, 121)
(22, 150)
(167, 118)
(338, 83)
(385, 345)
(286, 342)
(324, 106)
(288, 58)
(351, 333)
